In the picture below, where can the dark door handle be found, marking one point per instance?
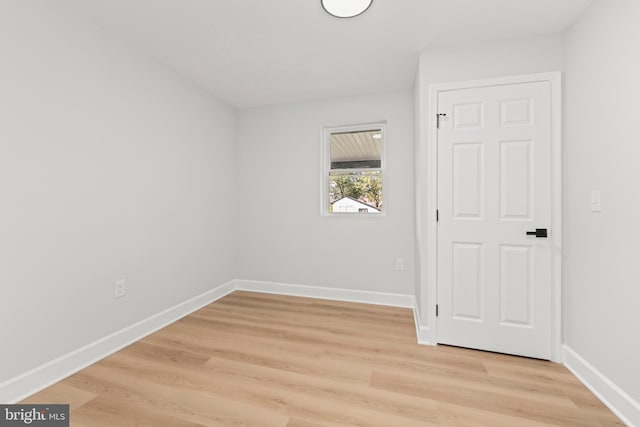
(539, 233)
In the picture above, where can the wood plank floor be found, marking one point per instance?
(254, 359)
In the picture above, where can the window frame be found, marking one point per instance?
(325, 167)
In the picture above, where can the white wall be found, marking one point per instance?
(602, 151)
(471, 62)
(110, 167)
(492, 59)
(279, 163)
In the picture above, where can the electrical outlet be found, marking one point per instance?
(399, 264)
(119, 288)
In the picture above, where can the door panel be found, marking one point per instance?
(494, 185)
(467, 281)
(516, 182)
(515, 285)
(467, 180)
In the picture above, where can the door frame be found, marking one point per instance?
(429, 196)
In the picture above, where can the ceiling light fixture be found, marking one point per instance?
(345, 8)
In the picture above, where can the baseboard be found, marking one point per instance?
(336, 294)
(623, 405)
(24, 385)
(422, 332)
(41, 377)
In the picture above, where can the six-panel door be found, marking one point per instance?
(494, 185)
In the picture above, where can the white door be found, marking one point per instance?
(494, 186)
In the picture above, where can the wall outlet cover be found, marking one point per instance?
(119, 288)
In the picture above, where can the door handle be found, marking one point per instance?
(539, 233)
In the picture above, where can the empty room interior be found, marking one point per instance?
(306, 213)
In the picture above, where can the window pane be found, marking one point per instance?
(356, 150)
(359, 192)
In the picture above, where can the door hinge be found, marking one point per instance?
(437, 215)
(437, 310)
(438, 119)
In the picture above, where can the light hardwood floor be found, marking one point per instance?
(254, 359)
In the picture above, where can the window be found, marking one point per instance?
(353, 171)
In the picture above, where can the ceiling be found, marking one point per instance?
(255, 52)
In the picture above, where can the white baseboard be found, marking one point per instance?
(623, 405)
(41, 377)
(422, 332)
(28, 383)
(336, 294)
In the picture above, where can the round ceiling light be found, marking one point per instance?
(346, 8)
